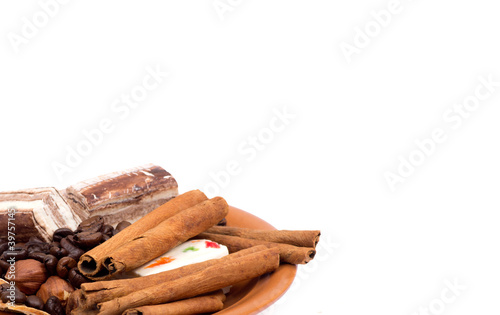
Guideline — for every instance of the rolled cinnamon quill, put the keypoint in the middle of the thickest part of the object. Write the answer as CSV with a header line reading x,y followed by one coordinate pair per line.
x,y
165,236
288,253
101,291
303,238
207,280
197,305
74,304
91,263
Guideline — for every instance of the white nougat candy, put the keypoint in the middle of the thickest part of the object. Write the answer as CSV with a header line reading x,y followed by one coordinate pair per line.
x,y
119,196
34,212
187,253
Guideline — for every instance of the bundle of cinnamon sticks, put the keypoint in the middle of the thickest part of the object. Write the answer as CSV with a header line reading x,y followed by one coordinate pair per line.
x,y
190,289
153,235
184,283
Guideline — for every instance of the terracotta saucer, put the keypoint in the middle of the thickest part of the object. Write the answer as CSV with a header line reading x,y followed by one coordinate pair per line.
x,y
252,297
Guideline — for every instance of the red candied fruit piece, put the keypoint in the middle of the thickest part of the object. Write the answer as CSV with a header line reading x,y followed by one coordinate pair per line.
x,y
210,244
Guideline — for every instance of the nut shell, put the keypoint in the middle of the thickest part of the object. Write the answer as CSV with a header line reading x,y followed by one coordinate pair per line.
x,y
55,286
30,275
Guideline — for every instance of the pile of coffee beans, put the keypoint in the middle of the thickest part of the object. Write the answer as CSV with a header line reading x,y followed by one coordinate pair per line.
x,y
58,257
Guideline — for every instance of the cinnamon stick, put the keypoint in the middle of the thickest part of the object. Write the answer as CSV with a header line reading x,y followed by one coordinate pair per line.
x,y
75,304
303,238
200,304
209,279
101,291
165,236
91,263
288,253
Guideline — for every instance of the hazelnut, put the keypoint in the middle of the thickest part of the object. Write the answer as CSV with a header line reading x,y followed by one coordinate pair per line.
x,y
55,286
30,274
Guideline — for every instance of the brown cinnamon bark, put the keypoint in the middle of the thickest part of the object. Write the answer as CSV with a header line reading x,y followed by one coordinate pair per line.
x,y
200,304
209,279
101,291
288,253
303,238
9,309
165,236
75,305
91,263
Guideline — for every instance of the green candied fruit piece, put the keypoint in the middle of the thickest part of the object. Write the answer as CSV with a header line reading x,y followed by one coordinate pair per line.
x,y
190,248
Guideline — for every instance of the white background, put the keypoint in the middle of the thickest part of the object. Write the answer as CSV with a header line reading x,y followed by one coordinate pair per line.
x,y
382,251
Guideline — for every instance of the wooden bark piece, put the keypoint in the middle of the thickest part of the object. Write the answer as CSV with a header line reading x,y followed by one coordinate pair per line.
x,y
20,309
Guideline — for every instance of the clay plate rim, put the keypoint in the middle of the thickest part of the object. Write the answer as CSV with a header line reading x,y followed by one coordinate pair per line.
x,y
252,297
